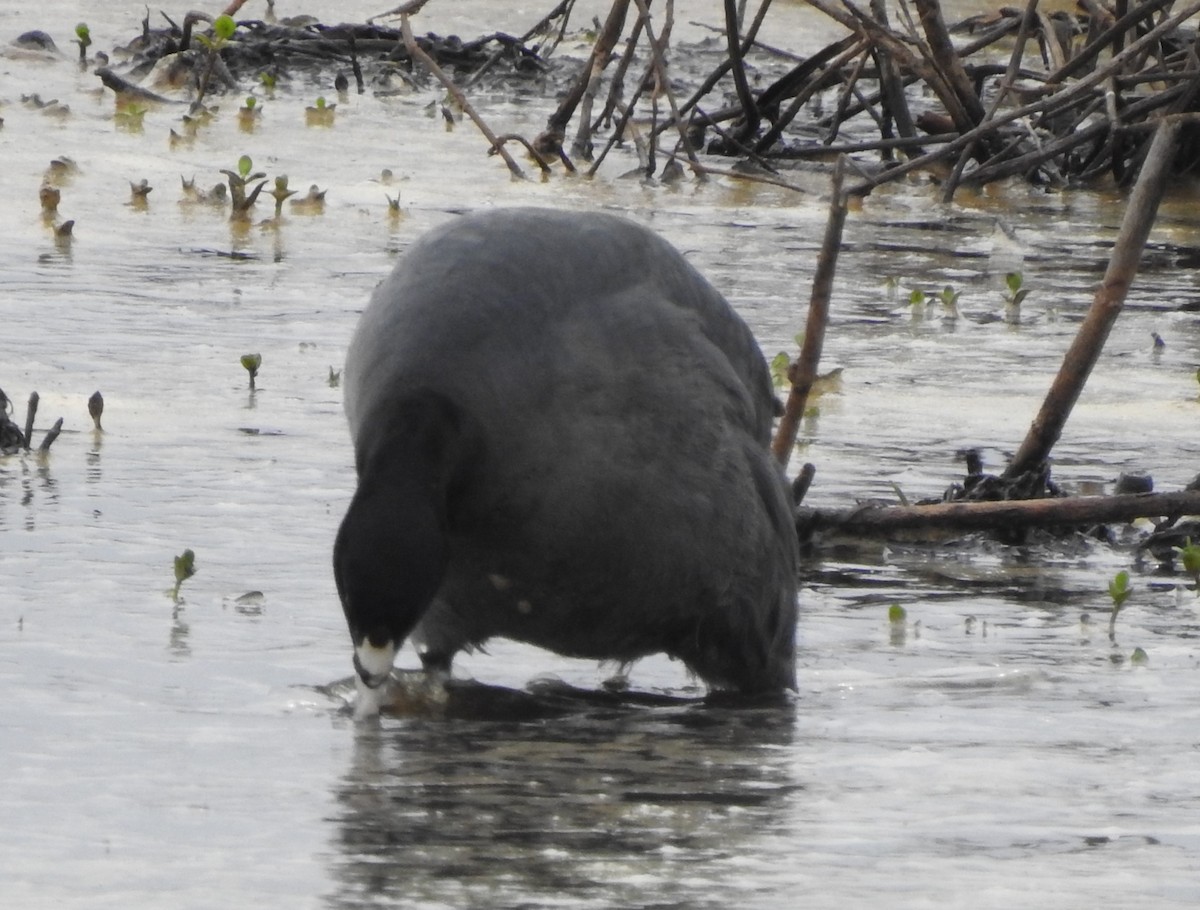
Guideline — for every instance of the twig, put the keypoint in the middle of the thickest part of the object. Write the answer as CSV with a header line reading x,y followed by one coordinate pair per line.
x,y
660,71
415,52
1014,65
556,126
1085,350
803,373
741,83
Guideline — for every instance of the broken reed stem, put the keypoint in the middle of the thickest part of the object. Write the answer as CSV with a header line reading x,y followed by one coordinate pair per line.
x,y
415,52
882,521
803,373
30,413
51,436
1085,350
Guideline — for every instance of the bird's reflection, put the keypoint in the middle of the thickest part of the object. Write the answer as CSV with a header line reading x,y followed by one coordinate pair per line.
x,y
585,808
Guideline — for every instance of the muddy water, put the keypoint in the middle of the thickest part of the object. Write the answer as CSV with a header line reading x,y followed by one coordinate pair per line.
x,y
995,749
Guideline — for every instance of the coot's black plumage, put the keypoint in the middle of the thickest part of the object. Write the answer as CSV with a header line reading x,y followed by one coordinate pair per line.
x,y
561,436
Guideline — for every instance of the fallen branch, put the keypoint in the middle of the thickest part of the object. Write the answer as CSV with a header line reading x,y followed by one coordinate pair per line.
x,y
882,521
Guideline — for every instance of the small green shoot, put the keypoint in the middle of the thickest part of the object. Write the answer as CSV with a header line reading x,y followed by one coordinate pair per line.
x,y
1119,591
1015,292
252,362
281,192
242,201
779,369
1139,658
1189,555
897,613
130,116
267,80
916,298
185,568
224,27
320,114
335,378
949,299
83,37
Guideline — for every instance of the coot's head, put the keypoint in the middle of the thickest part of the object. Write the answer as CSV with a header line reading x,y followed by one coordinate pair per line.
x,y
388,561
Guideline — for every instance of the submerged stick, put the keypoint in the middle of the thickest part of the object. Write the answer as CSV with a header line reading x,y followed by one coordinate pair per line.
x,y
51,436
803,373
880,521
1085,350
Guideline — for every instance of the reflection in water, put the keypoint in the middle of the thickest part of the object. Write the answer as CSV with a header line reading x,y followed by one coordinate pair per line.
x,y
588,809
178,644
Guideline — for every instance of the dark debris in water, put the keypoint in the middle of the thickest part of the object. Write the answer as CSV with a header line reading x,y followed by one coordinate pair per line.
x,y
305,47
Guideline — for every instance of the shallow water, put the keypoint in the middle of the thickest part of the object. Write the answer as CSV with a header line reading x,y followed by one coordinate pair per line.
x,y
994,749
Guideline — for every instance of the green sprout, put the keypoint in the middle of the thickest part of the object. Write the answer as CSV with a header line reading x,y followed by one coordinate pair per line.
x,y
1189,555
917,297
83,37
185,568
779,369
335,378
237,185
897,625
1119,591
1015,293
1139,658
320,114
281,192
223,27
949,298
130,116
252,362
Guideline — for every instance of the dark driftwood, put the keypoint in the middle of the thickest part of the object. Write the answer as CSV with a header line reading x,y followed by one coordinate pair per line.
x,y
1089,341
882,521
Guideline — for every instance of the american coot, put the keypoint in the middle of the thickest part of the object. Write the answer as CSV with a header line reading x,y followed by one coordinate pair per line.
x,y
560,431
